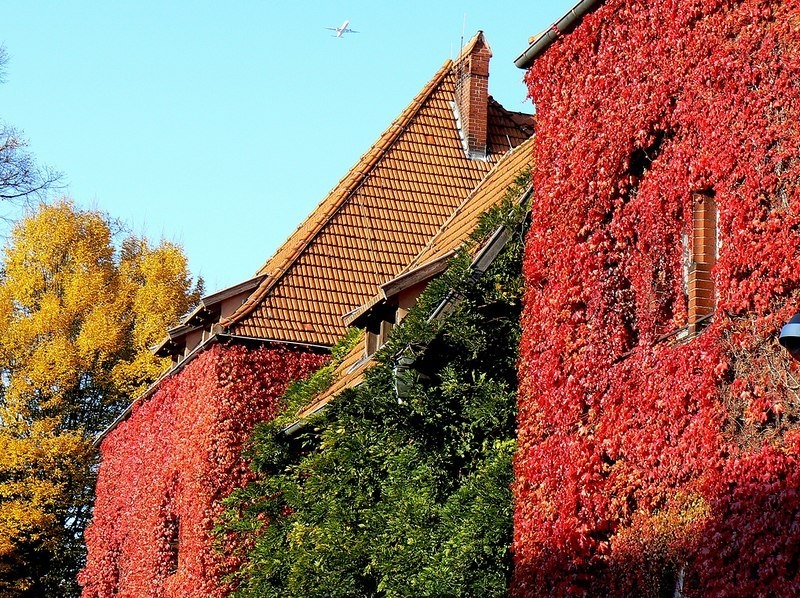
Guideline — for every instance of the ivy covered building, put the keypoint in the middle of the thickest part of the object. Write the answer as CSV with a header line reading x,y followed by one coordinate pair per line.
x,y
168,462
659,417
658,428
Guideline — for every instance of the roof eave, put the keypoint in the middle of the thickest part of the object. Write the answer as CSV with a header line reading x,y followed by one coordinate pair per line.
x,y
220,296
201,315
416,275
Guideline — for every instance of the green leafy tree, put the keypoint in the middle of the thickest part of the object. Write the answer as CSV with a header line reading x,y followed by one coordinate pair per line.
x,y
76,319
403,493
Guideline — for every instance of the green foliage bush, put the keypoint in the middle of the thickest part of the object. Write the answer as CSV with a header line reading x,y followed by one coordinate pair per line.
x,y
387,495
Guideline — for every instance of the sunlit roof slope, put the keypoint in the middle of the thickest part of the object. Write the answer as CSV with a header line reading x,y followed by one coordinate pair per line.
x,y
379,216
451,235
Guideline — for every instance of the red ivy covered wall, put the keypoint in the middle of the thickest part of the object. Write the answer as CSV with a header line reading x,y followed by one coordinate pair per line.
x,y
166,468
650,462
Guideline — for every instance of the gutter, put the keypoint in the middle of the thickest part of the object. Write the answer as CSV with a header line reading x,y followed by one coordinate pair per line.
x,y
298,425
302,421
292,429
524,60
271,341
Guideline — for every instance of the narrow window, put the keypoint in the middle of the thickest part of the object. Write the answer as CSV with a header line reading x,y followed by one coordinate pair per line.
x,y
378,327
703,256
173,525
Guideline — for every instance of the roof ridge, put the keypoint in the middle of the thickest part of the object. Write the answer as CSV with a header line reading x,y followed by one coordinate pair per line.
x,y
346,186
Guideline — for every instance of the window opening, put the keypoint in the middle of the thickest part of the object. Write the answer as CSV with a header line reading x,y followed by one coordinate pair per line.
x,y
172,536
378,328
377,335
703,256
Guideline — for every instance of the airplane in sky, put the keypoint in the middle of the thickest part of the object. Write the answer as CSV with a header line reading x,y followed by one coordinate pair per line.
x,y
340,31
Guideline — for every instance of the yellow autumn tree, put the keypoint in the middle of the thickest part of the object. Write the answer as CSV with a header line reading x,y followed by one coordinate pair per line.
x,y
77,318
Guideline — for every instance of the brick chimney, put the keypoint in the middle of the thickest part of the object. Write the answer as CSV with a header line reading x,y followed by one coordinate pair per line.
x,y
471,104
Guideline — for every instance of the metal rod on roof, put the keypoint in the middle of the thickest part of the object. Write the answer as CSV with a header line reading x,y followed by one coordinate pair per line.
x,y
224,335
481,262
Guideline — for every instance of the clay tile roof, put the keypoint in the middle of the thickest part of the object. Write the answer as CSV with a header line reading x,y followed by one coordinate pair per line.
x,y
348,374
450,236
464,220
379,216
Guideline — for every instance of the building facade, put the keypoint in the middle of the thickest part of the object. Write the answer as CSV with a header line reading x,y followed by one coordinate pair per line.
x,y
658,424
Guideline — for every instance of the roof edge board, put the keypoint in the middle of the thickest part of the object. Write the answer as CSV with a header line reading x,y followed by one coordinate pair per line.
x,y
179,331
199,308
416,275
187,325
232,291
397,285
353,316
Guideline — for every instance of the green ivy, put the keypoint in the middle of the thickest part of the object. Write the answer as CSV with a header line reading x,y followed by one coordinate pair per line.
x,y
387,495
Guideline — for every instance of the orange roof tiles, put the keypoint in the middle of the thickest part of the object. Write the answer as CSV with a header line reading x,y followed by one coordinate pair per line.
x,y
464,220
373,223
450,236
347,374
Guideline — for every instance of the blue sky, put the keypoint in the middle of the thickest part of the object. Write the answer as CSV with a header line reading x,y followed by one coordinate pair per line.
x,y
221,125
